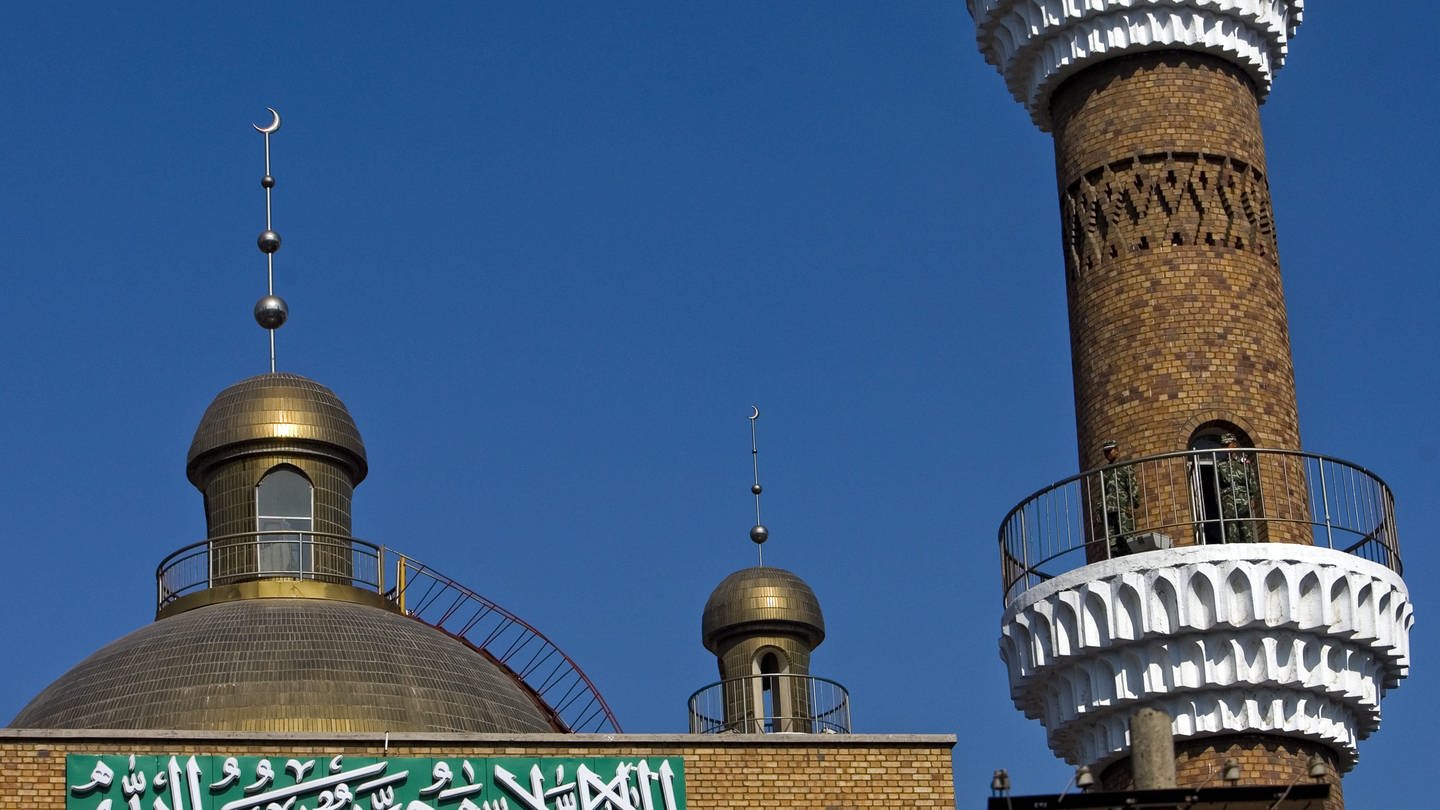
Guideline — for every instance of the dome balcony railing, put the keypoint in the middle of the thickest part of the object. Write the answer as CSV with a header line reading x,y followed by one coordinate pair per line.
x,y
1197,497
770,704
411,588
281,554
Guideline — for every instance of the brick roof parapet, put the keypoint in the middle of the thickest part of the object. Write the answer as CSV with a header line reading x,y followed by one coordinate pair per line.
x,y
1037,44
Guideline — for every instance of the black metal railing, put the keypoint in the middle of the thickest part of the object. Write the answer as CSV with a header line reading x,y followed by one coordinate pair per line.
x,y
282,554
1198,497
415,590
767,704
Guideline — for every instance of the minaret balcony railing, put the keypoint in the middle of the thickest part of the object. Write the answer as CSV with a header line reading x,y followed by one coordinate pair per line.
x,y
770,704
396,581
1198,497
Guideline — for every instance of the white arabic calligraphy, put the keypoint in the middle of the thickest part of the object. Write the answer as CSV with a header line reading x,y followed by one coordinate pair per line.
x,y
132,786
264,775
231,769
177,783
184,782
591,792
99,778
273,797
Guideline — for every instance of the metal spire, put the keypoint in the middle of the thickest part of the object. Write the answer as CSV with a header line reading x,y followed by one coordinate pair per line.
x,y
758,533
271,310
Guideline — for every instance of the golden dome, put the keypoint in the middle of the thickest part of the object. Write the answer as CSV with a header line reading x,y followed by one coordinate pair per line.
x,y
289,665
762,599
284,410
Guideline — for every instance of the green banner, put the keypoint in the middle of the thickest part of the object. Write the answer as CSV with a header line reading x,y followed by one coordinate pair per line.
x,y
218,782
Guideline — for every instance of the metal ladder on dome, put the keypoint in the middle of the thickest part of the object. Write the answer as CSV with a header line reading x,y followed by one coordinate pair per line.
x,y
429,596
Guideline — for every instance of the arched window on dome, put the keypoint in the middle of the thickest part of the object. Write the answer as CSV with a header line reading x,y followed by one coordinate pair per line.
x,y
772,690
285,510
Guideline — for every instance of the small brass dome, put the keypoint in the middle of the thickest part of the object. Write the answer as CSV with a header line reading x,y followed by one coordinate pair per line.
x,y
289,665
285,410
762,599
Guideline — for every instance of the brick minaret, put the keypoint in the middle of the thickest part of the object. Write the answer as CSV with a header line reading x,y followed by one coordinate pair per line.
x,y
1211,569
1176,312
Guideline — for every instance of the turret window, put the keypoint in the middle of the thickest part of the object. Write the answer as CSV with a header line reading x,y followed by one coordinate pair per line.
x,y
773,699
285,509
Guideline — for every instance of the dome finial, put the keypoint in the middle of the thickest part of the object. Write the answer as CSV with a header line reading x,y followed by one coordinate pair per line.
x,y
758,533
271,310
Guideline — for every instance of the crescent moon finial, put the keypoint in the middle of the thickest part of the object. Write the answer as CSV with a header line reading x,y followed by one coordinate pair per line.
x,y
758,533
274,125
271,311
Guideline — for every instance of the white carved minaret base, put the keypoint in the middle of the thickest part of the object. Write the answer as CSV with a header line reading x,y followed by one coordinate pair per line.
x,y
1284,639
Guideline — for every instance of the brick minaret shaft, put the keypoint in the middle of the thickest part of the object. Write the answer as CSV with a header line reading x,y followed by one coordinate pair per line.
x,y
1177,318
1263,759
1178,335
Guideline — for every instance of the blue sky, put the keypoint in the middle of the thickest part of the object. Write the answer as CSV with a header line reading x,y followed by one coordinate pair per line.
x,y
549,255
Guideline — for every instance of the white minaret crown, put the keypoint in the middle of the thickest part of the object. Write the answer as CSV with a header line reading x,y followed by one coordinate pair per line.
x,y
1037,44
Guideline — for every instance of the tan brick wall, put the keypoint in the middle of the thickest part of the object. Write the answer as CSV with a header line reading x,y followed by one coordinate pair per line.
x,y
1177,314
1264,760
1162,101
831,772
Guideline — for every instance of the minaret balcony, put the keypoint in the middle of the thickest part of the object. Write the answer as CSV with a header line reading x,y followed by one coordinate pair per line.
x,y
770,704
1196,498
1240,591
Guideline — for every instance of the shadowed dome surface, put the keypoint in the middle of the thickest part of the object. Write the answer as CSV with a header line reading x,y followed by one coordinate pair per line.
x,y
759,598
288,665
276,406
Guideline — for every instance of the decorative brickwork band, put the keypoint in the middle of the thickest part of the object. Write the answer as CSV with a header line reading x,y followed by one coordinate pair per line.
x,y
1176,303
1140,203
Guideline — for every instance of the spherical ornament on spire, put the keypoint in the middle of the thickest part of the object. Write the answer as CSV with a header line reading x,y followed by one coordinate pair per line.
x,y
759,534
755,489
268,181
271,312
269,241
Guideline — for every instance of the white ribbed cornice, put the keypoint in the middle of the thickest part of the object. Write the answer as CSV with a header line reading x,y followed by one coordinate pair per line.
x,y
1267,637
1036,44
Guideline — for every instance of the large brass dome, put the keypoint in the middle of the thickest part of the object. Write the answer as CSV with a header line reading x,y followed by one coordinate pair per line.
x,y
289,665
275,408
761,599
